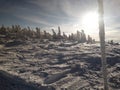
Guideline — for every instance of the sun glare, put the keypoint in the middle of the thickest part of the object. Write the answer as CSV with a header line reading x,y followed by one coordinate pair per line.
x,y
90,22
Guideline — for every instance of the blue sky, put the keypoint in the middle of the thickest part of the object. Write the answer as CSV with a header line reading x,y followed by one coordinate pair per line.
x,y
68,14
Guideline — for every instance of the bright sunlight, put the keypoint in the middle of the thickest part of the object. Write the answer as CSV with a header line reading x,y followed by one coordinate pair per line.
x,y
90,22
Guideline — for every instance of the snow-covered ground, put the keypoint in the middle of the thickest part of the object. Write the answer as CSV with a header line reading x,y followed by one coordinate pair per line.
x,y
61,64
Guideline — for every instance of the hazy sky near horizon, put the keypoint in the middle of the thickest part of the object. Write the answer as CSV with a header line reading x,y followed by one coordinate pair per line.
x,y
68,14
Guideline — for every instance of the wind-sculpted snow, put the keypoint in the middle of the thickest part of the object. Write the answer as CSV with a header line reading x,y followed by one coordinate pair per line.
x,y
70,65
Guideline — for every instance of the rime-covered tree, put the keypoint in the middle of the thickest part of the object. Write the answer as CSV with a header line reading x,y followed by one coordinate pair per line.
x,y
38,35
54,34
93,41
83,36
59,31
45,34
72,36
64,36
78,36
3,30
89,40
59,36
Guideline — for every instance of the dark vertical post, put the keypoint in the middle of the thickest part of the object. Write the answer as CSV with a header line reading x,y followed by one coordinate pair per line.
x,y
102,42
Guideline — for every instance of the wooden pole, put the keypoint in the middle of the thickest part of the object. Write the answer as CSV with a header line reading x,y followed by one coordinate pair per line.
x,y
102,42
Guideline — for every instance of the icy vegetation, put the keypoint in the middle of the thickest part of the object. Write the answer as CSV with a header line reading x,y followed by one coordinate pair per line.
x,y
47,64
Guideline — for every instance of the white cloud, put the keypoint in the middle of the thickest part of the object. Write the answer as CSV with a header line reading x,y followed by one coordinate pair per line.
x,y
35,19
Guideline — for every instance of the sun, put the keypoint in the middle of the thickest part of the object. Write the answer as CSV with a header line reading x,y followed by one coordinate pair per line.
x,y
90,22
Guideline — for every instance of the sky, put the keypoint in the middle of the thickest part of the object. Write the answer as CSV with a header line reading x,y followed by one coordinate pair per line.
x,y
68,14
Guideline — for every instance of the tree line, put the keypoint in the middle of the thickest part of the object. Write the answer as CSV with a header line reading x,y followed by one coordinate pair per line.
x,y
16,32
